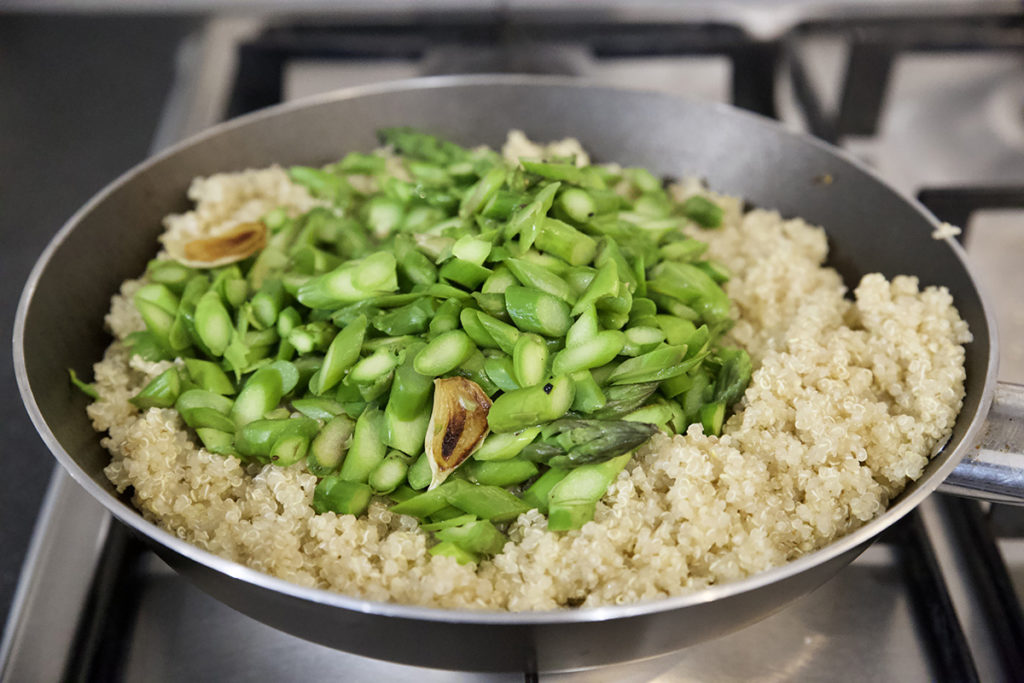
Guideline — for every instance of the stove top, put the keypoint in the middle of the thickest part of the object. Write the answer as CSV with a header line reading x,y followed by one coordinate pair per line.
x,y
939,114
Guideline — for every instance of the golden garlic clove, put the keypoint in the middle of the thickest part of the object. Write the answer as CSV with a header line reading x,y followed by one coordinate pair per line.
x,y
241,241
458,425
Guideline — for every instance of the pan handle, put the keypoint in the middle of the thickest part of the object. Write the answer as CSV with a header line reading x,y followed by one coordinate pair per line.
x,y
994,469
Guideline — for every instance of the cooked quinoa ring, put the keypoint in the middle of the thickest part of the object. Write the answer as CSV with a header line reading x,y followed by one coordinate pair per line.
x,y
848,400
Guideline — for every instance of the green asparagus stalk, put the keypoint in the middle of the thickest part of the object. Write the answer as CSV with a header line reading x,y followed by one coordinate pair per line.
x,y
161,392
338,495
572,500
531,406
533,310
341,355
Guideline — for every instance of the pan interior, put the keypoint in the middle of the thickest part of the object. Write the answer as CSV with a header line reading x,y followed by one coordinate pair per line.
x,y
870,227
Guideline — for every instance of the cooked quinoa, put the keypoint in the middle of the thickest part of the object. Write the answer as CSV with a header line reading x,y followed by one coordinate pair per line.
x,y
848,400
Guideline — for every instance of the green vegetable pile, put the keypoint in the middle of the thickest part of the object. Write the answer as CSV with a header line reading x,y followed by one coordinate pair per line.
x,y
569,295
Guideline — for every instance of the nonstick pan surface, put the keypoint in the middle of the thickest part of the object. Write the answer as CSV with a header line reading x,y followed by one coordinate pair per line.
x,y
870,227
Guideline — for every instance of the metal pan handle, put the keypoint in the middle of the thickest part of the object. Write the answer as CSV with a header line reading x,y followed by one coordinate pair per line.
x,y
994,469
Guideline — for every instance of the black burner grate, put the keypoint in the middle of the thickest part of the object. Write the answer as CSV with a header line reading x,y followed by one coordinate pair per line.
x,y
956,205
258,81
933,606
873,49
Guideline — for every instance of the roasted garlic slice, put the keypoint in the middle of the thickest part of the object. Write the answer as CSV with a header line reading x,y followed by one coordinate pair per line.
x,y
458,425
241,241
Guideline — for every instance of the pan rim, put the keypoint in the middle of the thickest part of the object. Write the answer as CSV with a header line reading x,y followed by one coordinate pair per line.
x,y
134,519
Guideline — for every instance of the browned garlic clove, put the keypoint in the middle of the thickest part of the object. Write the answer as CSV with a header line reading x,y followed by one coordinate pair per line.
x,y
458,425
241,241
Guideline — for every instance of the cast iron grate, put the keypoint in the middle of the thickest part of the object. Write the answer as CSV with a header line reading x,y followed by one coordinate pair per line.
x,y
262,60
956,205
873,49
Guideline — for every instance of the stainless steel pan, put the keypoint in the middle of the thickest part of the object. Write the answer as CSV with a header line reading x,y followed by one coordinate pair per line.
x,y
870,228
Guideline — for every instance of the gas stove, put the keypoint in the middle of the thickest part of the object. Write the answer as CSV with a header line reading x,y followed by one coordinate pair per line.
x,y
934,101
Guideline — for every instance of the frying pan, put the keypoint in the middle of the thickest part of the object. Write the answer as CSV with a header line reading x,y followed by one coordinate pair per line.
x,y
870,228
